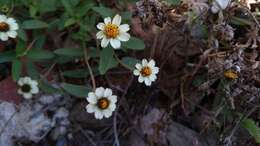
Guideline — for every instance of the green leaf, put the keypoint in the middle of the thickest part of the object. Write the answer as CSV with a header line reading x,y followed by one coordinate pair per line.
x,y
22,35
107,60
104,11
76,90
34,24
38,54
131,62
70,22
80,73
134,44
240,21
7,56
20,48
252,128
70,52
67,4
32,71
16,69
48,88
174,2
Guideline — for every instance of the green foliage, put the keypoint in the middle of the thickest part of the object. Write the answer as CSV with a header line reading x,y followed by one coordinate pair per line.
x,y
107,60
252,128
76,90
16,69
134,44
130,62
34,24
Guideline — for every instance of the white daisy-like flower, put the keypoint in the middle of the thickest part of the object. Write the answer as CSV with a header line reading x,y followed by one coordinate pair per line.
x,y
102,102
111,31
27,87
146,71
218,5
8,28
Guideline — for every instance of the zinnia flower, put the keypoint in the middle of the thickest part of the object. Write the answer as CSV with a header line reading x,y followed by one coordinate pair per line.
x,y
146,71
27,87
8,28
102,102
111,31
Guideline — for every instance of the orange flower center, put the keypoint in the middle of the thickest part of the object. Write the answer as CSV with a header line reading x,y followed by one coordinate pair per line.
x,y
229,74
4,27
103,103
111,30
146,71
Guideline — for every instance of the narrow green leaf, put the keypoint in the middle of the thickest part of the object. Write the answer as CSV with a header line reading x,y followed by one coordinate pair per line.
x,y
131,62
134,44
104,11
7,56
240,21
107,60
80,73
48,88
76,90
38,54
32,71
67,4
70,22
16,69
22,35
20,48
34,24
71,52
252,128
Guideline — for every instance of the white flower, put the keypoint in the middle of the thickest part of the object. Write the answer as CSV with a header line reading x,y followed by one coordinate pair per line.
x,y
113,32
218,5
27,87
101,102
146,71
8,28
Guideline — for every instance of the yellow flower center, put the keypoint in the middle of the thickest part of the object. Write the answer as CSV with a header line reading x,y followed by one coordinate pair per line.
x,y
146,71
103,103
229,74
111,30
4,27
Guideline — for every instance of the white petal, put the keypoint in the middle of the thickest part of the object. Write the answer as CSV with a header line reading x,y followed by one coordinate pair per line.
x,y
101,26
3,36
100,92
98,114
104,42
108,92
147,82
12,23
139,66
92,98
115,43
123,37
117,20
34,83
124,28
20,81
223,3
12,34
136,72
91,108
144,62
27,95
112,106
27,80
152,77
107,113
112,99
100,35
2,18
107,20
215,9
155,70
20,91
35,90
140,79
151,63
